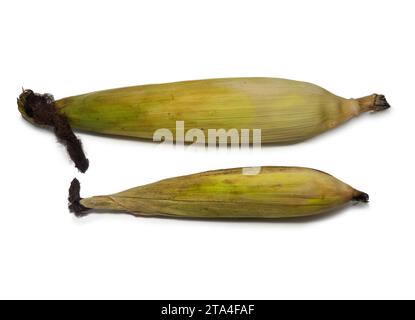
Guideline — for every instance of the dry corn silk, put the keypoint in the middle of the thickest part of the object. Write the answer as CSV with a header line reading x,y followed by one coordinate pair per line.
x,y
285,111
261,193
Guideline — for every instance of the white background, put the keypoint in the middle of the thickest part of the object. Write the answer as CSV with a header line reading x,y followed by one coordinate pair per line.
x,y
352,48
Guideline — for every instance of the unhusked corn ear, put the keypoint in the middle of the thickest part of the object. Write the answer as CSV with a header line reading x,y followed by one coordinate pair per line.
x,y
271,192
285,111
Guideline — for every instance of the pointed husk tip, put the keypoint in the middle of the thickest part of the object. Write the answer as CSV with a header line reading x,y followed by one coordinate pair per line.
x,y
381,103
374,102
360,196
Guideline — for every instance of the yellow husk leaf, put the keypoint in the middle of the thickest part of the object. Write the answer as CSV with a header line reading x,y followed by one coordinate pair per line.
x,y
276,192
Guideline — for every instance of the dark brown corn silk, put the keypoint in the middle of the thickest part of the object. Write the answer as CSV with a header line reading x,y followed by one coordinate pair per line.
x,y
74,199
41,109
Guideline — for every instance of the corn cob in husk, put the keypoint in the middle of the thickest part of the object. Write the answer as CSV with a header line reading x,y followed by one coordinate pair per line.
x,y
285,111
274,192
